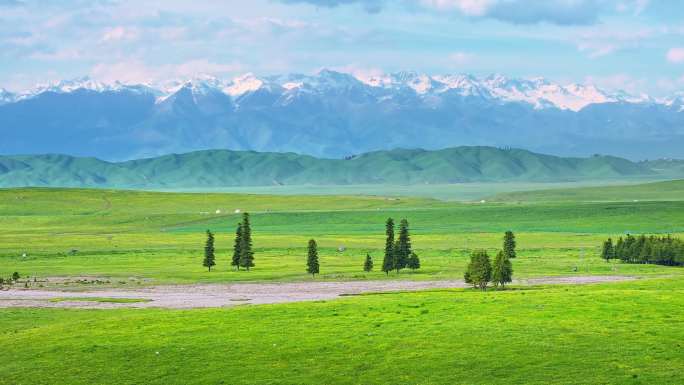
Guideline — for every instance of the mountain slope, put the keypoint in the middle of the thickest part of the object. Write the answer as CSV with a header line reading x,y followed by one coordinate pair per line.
x,y
334,114
223,168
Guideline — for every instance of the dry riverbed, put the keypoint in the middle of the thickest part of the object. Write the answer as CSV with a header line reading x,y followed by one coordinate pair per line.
x,y
220,295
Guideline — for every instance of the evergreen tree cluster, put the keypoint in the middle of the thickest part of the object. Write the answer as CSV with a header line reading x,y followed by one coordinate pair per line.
x,y
398,253
243,256
652,249
480,271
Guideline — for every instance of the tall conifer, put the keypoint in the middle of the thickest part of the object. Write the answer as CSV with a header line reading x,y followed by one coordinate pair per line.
x,y
404,246
368,264
312,266
236,247
509,245
502,270
246,254
209,257
388,260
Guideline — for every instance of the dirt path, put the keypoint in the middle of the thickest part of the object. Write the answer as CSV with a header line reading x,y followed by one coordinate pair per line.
x,y
220,295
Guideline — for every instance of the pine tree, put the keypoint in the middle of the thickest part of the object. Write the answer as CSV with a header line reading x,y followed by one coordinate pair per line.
x,y
396,256
608,252
388,260
209,257
479,271
509,245
246,254
312,266
404,246
619,248
413,261
502,270
368,264
235,262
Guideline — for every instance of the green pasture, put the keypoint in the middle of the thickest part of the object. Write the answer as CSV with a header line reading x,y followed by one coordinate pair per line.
x,y
619,333
655,191
152,237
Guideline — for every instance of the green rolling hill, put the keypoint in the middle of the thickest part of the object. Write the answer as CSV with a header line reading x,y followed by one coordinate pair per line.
x,y
225,168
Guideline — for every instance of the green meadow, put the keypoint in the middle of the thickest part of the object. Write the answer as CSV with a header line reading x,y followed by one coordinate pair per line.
x,y
614,333
620,333
158,237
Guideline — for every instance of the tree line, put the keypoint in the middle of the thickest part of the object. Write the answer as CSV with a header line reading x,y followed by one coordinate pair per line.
x,y
480,271
398,254
659,250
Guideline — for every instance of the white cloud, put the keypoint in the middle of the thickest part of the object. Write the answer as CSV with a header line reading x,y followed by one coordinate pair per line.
x,y
675,55
618,82
467,7
129,71
596,48
461,58
136,71
60,55
120,33
601,41
204,66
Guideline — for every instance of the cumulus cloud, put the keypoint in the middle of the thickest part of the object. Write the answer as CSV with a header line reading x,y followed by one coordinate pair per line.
x,y
372,6
460,58
119,33
558,12
467,7
601,41
137,71
675,55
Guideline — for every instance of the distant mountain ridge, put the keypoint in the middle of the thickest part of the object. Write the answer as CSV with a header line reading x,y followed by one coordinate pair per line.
x,y
334,114
225,168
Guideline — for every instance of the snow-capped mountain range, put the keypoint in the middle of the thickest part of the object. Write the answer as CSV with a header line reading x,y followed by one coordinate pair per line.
x,y
334,114
537,92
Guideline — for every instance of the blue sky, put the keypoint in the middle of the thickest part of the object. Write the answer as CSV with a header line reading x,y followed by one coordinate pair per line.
x,y
636,45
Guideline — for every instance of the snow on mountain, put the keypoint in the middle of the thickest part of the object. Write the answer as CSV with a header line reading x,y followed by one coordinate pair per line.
x,y
538,92
6,96
82,83
243,84
676,101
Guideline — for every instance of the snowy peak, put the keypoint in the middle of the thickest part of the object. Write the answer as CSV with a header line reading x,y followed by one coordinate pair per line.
x,y
243,84
537,92
83,83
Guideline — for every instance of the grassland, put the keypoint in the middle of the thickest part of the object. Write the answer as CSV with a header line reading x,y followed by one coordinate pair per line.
x,y
158,237
463,192
617,333
625,333
655,191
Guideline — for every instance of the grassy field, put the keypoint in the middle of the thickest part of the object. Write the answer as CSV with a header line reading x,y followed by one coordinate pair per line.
x,y
158,237
465,192
618,333
656,191
621,333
